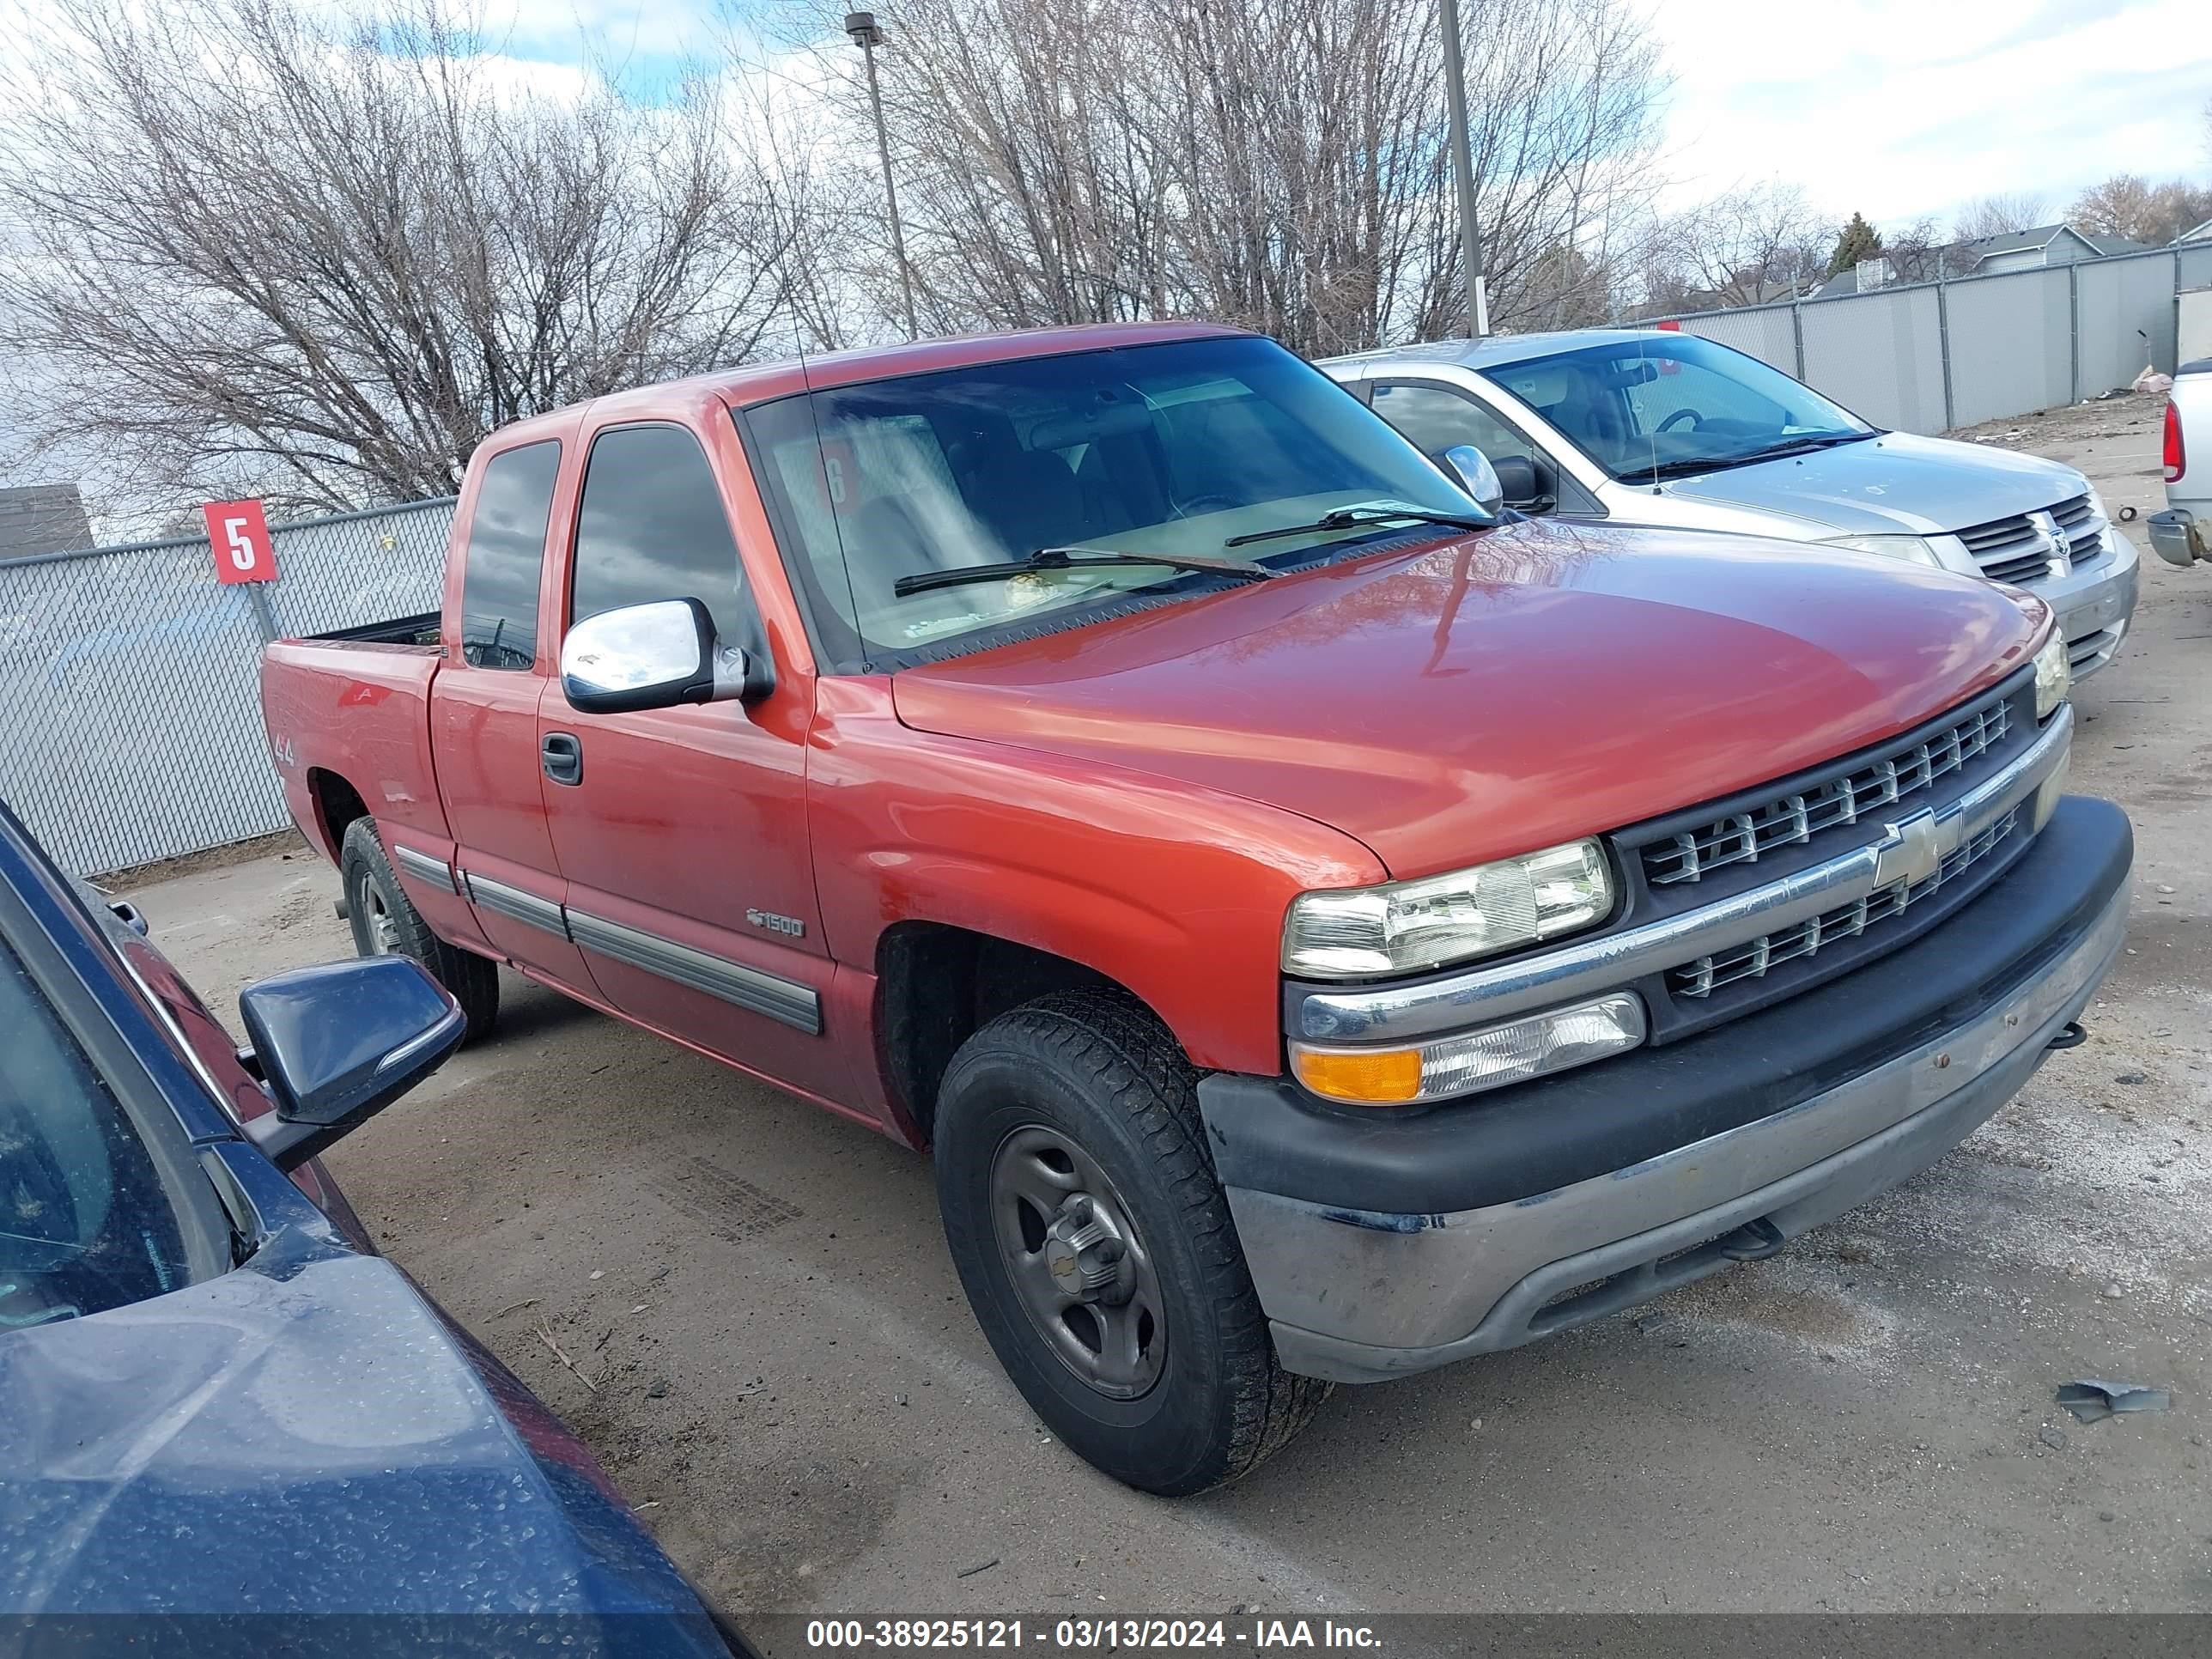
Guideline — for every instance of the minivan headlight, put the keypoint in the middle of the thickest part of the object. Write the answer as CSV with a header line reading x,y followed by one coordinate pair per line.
x,y
2054,675
1914,550
1401,926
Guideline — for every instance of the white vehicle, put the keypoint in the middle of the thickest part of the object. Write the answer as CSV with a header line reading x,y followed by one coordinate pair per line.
x,y
1657,427
2183,533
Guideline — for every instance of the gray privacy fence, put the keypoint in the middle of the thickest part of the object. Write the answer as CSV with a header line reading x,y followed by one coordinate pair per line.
x,y
1971,349
130,691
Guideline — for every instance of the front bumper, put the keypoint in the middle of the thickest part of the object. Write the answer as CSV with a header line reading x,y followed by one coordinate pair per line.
x,y
2095,604
1380,1248
2178,536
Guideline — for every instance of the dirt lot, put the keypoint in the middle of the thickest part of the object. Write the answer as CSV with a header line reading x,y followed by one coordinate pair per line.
x,y
791,1389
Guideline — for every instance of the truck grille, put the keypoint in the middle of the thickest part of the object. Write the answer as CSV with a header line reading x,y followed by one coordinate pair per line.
x,y
2013,549
1755,958
1789,820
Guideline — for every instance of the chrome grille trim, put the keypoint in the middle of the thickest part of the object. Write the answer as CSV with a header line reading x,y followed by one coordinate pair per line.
x,y
2014,549
1755,958
1608,961
1791,820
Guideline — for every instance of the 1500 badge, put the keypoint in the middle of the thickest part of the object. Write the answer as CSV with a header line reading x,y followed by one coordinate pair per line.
x,y
789,927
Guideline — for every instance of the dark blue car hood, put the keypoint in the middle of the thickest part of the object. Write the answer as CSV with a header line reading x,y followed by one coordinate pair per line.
x,y
303,1435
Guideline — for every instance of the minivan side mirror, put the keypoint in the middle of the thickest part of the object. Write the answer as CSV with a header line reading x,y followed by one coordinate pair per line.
x,y
336,1044
1527,484
1475,475
656,656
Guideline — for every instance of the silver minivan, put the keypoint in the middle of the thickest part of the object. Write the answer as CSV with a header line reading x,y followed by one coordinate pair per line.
x,y
1657,427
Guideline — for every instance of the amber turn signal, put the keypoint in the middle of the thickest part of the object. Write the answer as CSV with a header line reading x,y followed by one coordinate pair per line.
x,y
1378,1077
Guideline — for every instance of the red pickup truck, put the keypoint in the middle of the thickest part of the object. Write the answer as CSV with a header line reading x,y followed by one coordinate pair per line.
x,y
1321,926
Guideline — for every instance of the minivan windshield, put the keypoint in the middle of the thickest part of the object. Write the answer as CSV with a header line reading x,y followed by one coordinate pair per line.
x,y
1174,449
1668,405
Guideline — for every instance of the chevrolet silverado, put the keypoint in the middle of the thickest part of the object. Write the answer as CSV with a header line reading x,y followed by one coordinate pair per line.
x,y
1320,926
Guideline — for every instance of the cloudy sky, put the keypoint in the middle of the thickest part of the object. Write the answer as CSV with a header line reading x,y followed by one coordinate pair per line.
x,y
1895,108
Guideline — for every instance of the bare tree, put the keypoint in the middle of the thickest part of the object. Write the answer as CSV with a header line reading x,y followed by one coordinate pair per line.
x,y
1743,246
327,272
2000,215
2127,204
1282,164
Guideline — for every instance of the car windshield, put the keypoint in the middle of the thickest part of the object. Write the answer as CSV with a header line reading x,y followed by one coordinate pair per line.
x,y
1667,404
86,1222
1172,449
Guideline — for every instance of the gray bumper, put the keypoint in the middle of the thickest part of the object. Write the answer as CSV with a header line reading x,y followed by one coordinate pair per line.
x,y
1361,1297
2178,537
2094,605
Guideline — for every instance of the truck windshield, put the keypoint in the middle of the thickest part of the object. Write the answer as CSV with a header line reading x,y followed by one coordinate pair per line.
x,y
1666,405
1174,449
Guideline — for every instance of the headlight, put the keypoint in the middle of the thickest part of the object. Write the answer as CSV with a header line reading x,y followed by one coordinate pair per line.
x,y
2054,675
1914,550
1401,926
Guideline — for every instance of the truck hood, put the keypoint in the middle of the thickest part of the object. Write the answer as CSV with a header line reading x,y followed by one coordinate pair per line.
x,y
1895,484
1503,692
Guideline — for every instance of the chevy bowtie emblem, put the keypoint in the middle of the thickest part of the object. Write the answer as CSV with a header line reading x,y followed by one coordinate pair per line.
x,y
1913,849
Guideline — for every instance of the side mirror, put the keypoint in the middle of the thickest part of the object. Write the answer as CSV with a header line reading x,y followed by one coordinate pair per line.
x,y
1475,475
656,656
1529,484
336,1044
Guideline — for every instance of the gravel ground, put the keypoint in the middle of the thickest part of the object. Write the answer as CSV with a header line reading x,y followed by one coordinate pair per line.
x,y
791,1390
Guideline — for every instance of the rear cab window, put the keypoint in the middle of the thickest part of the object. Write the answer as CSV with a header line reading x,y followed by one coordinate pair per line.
x,y
506,555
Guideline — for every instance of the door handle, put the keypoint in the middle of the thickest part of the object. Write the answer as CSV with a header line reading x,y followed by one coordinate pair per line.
x,y
562,756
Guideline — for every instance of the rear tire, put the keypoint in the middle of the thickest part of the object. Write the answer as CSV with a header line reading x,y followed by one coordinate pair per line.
x,y
385,923
1145,1348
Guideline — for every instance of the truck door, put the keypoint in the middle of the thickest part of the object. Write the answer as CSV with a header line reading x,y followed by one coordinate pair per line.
x,y
483,718
683,831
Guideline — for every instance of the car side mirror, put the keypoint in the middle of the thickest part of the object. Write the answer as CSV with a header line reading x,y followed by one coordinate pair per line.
x,y
656,656
1527,484
336,1044
1472,470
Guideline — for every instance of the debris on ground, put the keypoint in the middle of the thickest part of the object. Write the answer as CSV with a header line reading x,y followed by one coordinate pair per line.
x,y
969,1573
2092,1401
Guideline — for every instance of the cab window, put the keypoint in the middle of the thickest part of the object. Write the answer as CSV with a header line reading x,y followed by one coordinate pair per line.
x,y
651,527
505,554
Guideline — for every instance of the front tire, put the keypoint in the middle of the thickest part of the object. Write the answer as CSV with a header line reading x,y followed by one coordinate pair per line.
x,y
385,923
1095,1246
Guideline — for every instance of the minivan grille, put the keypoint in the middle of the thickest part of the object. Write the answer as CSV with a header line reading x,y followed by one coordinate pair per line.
x,y
1755,958
2013,550
1787,820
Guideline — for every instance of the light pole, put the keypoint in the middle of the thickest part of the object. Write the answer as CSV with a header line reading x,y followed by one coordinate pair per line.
x,y
861,26
1477,297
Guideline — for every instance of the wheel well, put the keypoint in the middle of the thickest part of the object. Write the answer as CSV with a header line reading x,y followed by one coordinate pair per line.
x,y
338,803
936,985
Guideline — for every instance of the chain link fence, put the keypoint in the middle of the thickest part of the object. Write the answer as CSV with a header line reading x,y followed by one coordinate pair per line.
x,y
1932,355
130,679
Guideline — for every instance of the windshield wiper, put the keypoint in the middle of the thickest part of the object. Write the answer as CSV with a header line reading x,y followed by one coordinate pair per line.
x,y
1351,518
1072,558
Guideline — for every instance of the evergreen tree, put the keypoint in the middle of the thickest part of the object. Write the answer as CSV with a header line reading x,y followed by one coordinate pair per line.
x,y
1858,241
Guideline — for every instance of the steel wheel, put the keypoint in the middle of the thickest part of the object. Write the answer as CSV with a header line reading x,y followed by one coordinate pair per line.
x,y
1079,1267
383,925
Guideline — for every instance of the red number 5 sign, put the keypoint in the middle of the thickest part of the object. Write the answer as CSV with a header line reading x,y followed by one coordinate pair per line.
x,y
239,534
